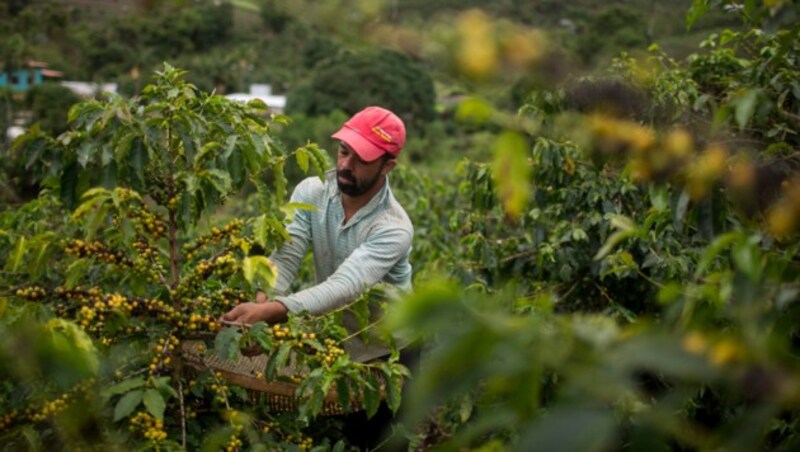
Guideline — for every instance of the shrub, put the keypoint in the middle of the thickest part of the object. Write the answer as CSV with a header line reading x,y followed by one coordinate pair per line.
x,y
351,81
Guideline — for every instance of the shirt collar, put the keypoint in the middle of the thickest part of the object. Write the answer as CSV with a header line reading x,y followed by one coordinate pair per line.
x,y
374,202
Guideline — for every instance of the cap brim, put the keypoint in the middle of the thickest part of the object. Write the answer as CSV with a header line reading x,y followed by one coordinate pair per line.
x,y
365,149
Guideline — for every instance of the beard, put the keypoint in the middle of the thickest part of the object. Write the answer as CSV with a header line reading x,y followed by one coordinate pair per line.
x,y
354,187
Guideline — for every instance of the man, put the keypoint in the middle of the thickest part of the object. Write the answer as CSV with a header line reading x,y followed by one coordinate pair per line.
x,y
360,234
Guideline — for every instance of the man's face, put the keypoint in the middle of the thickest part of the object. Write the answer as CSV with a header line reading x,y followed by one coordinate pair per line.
x,y
355,176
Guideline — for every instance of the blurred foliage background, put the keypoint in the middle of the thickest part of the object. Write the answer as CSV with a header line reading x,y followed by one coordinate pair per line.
x,y
605,199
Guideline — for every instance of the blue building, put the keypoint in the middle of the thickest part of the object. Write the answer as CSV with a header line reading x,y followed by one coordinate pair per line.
x,y
20,79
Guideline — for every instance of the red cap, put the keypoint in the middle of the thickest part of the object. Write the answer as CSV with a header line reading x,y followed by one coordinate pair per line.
x,y
372,132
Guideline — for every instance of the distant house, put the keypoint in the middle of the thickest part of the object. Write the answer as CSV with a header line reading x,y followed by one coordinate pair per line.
x,y
89,89
32,73
275,103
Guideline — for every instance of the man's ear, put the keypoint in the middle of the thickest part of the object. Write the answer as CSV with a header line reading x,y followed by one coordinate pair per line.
x,y
389,166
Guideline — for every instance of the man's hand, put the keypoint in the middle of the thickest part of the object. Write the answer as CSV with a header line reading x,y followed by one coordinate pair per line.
x,y
270,312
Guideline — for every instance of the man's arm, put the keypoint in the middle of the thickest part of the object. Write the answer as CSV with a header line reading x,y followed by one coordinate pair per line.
x,y
261,310
287,259
365,266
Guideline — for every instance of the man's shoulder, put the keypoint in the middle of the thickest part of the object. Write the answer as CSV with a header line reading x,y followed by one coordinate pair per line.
x,y
311,190
394,216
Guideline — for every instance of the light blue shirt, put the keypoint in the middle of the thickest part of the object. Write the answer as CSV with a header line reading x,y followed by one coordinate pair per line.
x,y
372,247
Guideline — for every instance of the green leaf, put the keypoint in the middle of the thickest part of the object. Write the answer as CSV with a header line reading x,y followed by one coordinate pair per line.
x,y
745,107
319,159
260,230
360,311
669,292
343,392
76,272
127,404
727,36
259,146
124,114
230,146
720,243
122,387
302,159
277,360
280,182
137,161
569,428
748,258
77,344
293,206
96,218
68,184
16,256
263,193
394,386
312,404
474,110
192,184
236,169
623,223
625,228
221,180
372,394
611,242
85,153
259,271
43,255
154,403
91,198
226,344
258,104
510,171
697,10
75,111
206,150
278,227
163,386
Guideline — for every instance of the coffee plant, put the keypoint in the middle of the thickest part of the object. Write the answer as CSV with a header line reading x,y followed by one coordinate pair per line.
x,y
622,273
634,285
118,267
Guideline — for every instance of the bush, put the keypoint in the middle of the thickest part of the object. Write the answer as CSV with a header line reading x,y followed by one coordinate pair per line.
x,y
351,81
100,301
50,103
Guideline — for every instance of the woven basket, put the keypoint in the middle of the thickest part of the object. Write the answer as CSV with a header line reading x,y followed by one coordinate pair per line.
x,y
278,395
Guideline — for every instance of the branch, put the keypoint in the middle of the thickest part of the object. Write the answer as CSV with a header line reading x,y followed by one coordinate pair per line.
x,y
183,414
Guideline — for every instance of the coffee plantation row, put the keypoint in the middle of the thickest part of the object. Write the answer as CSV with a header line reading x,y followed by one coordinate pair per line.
x,y
621,275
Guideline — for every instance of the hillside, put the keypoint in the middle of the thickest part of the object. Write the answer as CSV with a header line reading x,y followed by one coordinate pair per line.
x,y
107,38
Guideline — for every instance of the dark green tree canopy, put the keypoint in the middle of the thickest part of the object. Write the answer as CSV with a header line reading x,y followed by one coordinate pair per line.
x,y
352,81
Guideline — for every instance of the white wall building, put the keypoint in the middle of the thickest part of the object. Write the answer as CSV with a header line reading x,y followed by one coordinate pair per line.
x,y
275,103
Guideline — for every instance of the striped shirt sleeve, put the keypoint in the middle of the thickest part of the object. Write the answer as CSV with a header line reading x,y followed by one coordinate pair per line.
x,y
365,266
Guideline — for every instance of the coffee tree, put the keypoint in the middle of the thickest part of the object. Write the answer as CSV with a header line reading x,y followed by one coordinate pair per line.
x,y
642,294
138,269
